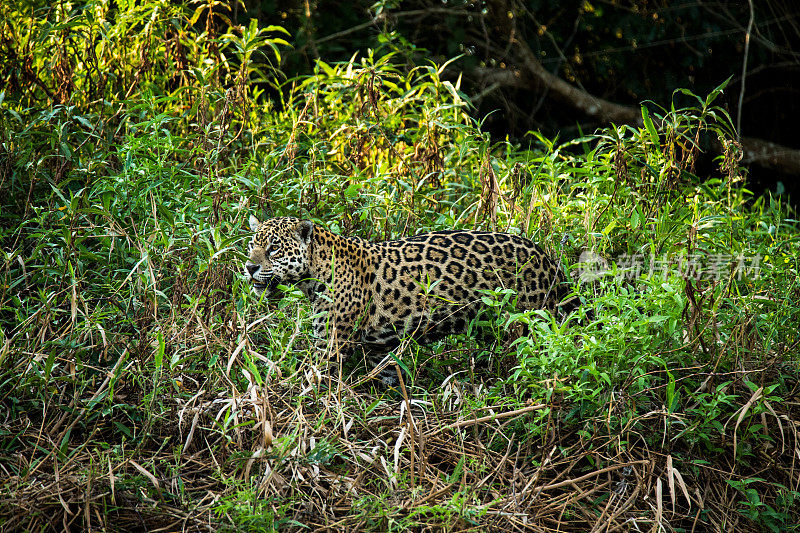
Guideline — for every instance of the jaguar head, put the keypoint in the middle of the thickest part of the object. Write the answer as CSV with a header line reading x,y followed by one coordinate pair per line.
x,y
279,252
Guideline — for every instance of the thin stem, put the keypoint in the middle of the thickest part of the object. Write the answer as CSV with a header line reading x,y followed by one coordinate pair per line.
x,y
744,69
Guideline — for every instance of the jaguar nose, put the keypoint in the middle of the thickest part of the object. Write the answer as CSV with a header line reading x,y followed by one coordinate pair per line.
x,y
252,269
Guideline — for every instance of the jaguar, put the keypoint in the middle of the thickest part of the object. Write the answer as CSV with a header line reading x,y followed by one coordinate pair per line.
x,y
369,296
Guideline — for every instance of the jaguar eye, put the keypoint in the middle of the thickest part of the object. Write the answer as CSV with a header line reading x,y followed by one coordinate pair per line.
x,y
273,252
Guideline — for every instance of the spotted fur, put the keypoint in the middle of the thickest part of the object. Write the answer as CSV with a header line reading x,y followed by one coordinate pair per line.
x,y
371,295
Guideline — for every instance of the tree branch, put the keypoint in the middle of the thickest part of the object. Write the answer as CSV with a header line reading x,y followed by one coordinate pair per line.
x,y
770,155
580,100
758,152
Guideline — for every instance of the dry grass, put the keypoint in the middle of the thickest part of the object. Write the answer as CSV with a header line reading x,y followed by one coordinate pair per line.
x,y
335,458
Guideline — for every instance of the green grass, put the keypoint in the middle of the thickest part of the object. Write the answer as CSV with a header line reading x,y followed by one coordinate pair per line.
x,y
142,383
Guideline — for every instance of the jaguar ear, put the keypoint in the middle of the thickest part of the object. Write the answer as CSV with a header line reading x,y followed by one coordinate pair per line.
x,y
253,223
305,228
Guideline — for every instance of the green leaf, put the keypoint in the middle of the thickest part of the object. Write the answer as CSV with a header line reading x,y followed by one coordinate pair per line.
x,y
281,29
326,68
159,358
648,123
352,190
670,392
196,15
609,227
66,150
48,366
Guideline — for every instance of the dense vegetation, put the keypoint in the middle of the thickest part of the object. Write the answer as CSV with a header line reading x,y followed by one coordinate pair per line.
x,y
572,66
144,386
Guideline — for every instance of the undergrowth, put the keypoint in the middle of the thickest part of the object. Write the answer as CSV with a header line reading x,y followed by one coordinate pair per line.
x,y
143,385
